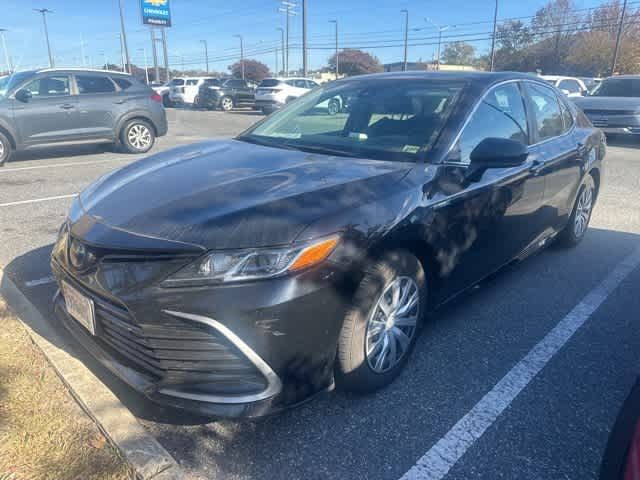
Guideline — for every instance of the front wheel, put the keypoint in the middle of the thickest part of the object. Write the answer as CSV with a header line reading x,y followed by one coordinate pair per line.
x,y
580,217
226,104
137,136
381,327
5,149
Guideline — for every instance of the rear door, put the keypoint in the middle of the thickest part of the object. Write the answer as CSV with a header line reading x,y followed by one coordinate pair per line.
x,y
558,147
99,104
51,113
191,86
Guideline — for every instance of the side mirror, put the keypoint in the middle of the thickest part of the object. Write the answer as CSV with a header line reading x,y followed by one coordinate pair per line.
x,y
498,153
24,96
565,91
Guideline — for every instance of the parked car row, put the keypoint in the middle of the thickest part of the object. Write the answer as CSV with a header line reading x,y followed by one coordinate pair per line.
x,y
226,94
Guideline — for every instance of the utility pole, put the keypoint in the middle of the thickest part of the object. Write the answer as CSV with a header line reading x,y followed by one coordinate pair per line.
x,y
618,38
440,30
44,12
206,53
288,8
304,38
122,59
104,59
146,64
7,58
406,37
337,62
124,40
154,53
241,54
493,37
283,49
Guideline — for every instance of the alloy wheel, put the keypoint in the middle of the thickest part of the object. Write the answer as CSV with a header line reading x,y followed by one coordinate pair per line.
x,y
227,104
139,137
583,211
392,324
2,150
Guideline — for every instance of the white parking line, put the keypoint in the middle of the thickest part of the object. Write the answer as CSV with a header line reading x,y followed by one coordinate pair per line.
x,y
69,164
437,462
37,200
39,281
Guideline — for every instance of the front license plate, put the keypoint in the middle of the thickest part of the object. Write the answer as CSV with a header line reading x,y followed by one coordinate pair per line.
x,y
80,307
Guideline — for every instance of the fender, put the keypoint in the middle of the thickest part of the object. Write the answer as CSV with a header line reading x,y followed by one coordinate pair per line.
x,y
138,113
5,125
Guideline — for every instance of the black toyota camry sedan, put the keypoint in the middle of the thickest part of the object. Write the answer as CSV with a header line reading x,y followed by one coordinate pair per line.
x,y
240,277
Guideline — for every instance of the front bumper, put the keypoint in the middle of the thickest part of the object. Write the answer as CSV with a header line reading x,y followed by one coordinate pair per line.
x,y
245,350
616,124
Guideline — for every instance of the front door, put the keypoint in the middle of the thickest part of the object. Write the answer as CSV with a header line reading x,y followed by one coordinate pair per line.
x,y
51,113
483,221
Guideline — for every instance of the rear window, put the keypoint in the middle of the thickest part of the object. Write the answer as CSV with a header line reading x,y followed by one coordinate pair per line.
x,y
94,84
123,83
177,82
270,82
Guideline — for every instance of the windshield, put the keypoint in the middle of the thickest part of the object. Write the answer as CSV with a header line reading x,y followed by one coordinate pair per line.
x,y
8,82
383,119
618,87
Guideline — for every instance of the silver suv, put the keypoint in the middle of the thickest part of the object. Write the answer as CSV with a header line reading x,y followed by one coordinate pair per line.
x,y
52,106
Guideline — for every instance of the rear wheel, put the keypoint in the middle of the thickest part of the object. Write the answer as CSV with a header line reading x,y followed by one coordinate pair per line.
x,y
226,103
381,327
137,136
578,224
5,149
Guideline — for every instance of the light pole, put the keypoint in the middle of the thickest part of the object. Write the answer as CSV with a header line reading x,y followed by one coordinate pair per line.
x,y
337,62
440,30
288,8
146,64
206,53
6,50
124,40
304,38
241,54
493,37
618,36
406,37
283,59
44,12
122,59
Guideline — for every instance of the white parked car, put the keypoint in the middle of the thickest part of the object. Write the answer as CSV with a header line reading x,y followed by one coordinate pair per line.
x,y
273,93
185,90
163,90
570,86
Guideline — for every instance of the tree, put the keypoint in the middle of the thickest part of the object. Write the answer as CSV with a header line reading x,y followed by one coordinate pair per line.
x,y
513,40
556,21
459,53
355,62
254,70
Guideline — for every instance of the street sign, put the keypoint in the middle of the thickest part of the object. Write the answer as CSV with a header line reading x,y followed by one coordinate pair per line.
x,y
156,12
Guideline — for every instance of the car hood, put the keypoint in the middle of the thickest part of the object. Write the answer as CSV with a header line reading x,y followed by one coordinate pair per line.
x,y
608,103
233,194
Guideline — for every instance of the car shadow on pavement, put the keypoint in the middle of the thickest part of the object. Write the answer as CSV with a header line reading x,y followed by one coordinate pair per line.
x,y
456,361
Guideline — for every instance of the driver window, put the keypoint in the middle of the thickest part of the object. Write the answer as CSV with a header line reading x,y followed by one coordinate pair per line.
x,y
501,114
48,87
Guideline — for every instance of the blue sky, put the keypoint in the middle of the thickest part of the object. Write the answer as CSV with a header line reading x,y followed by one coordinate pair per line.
x,y
361,23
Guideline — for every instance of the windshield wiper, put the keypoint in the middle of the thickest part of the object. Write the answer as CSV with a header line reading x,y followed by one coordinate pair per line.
x,y
320,150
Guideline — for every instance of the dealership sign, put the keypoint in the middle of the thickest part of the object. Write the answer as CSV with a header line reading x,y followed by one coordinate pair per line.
x,y
156,12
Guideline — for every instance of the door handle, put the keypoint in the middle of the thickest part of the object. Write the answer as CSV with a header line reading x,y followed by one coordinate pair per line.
x,y
536,166
119,102
66,106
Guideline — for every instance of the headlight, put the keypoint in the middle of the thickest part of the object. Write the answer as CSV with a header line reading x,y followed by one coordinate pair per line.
x,y
233,266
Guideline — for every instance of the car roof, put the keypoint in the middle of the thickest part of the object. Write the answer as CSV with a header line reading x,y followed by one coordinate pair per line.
x,y
630,77
81,70
477,77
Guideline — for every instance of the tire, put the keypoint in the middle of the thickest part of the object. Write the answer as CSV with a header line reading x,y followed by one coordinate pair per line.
x,y
572,234
226,103
364,328
196,102
333,108
137,136
6,149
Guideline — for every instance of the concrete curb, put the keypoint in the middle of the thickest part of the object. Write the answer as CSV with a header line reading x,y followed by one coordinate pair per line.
x,y
149,459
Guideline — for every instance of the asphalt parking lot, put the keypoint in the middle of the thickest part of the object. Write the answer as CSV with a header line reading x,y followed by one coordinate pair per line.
x,y
472,403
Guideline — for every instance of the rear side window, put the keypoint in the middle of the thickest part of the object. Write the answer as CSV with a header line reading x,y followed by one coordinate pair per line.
x,y
501,114
567,116
547,112
94,84
269,82
235,83
123,83
49,87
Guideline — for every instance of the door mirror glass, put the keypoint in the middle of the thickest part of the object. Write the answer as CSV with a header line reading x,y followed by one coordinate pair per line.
x,y
498,153
24,96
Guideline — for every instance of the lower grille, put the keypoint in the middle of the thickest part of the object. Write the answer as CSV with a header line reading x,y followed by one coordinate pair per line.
x,y
173,352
